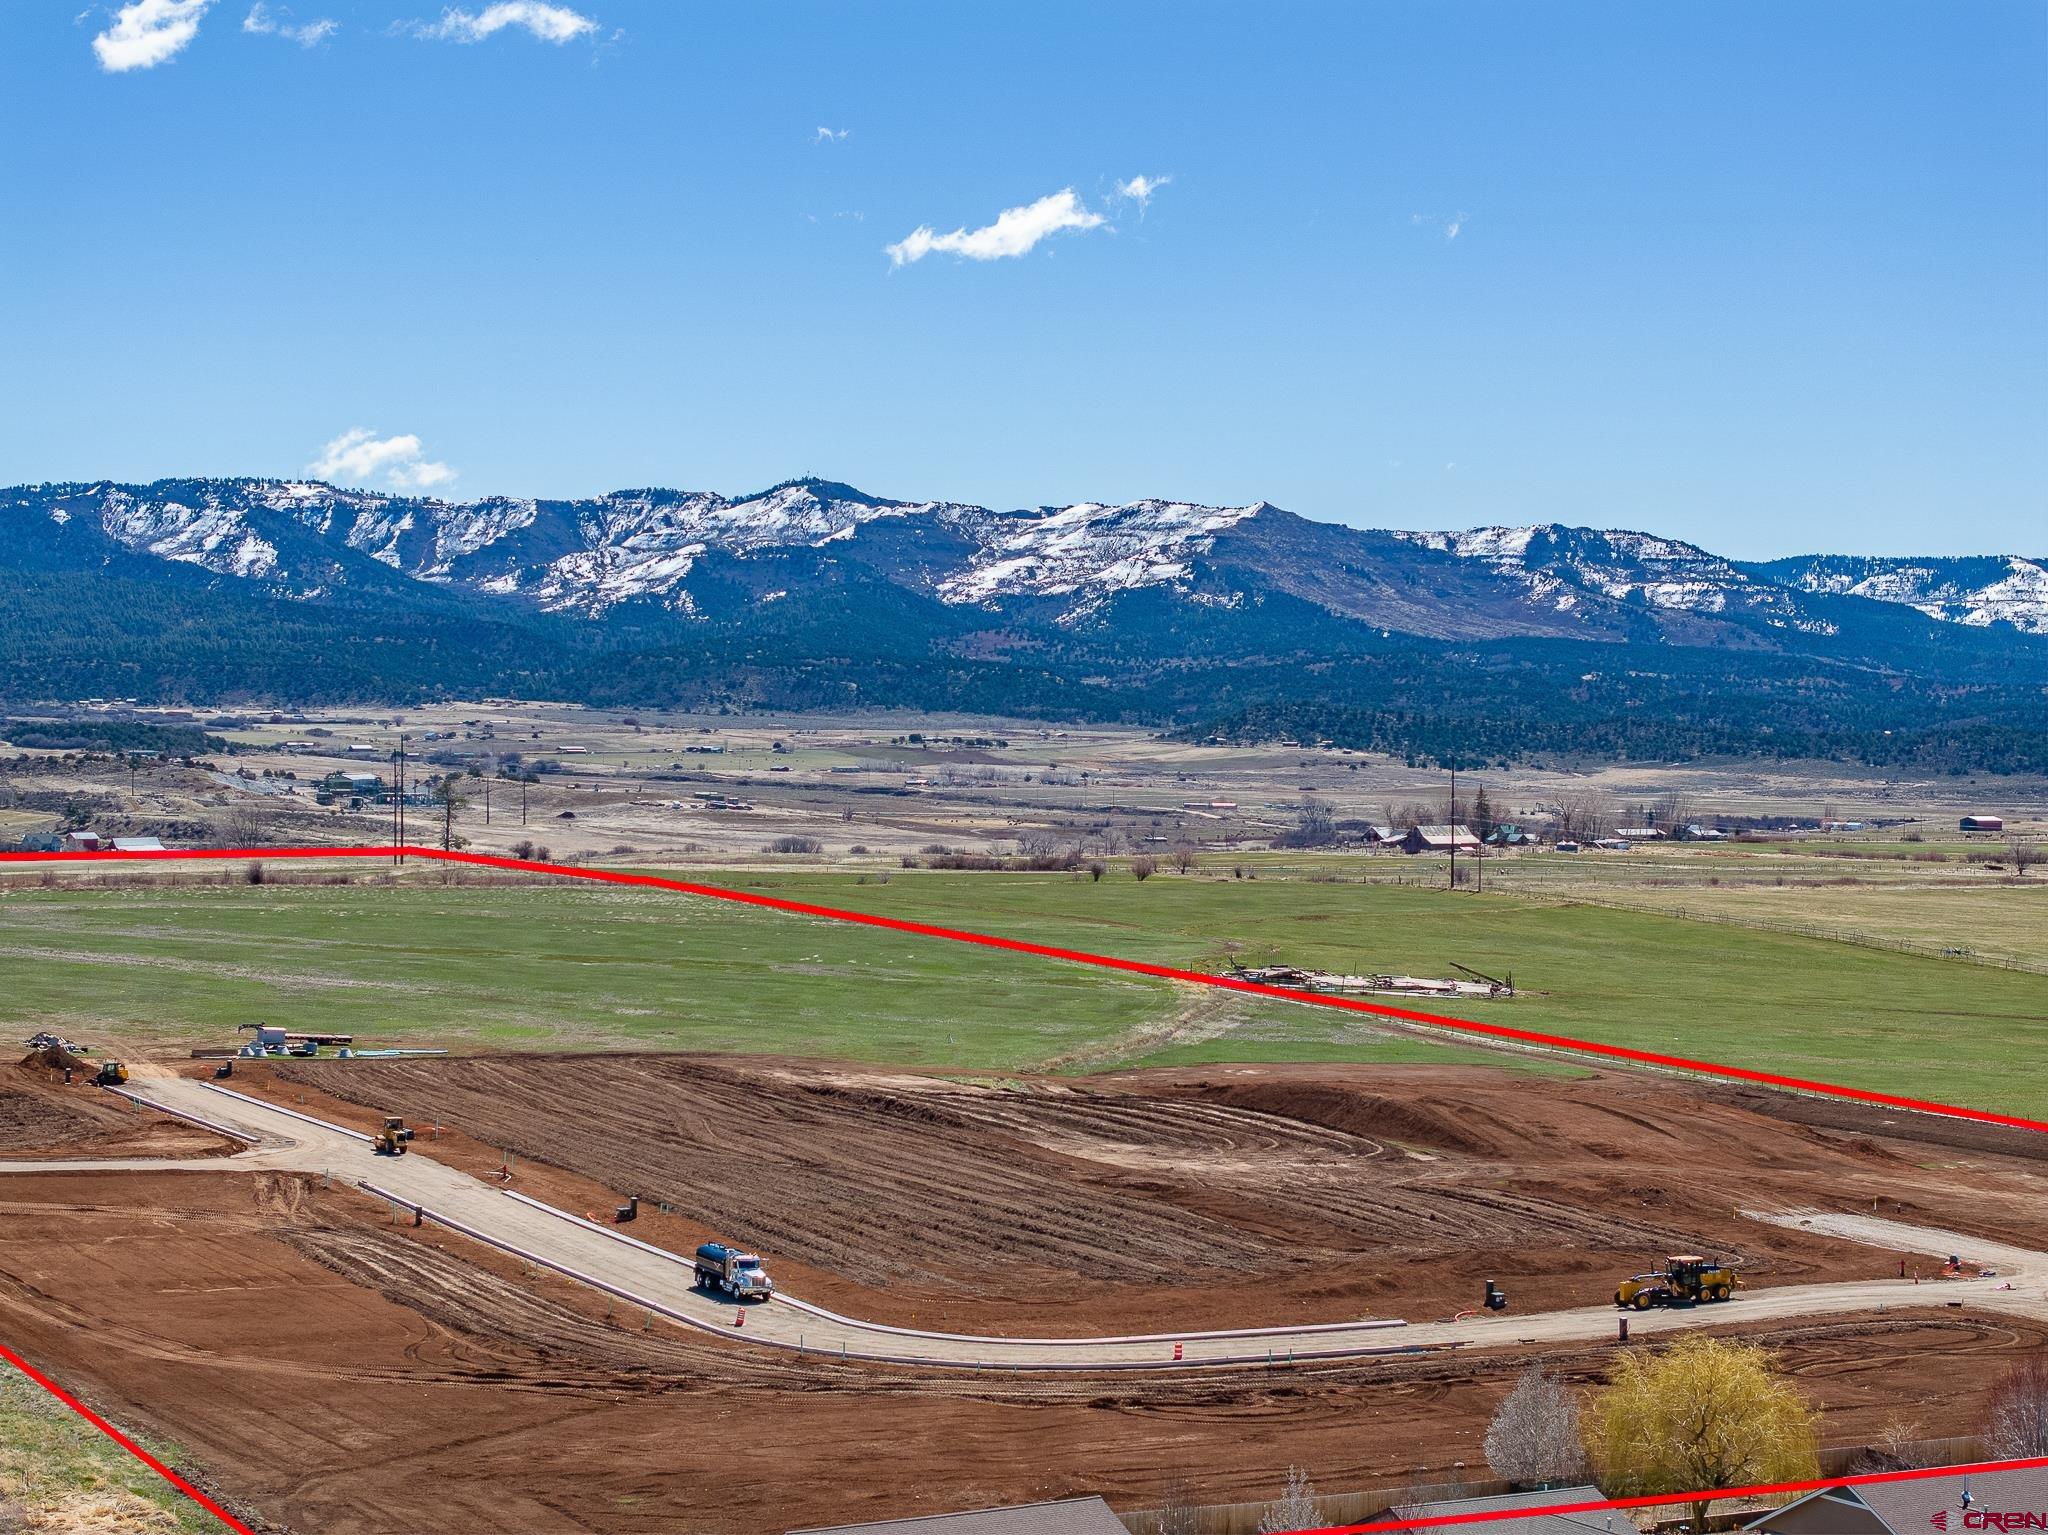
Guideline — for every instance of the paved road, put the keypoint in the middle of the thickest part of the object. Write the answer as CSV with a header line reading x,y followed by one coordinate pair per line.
x,y
662,1283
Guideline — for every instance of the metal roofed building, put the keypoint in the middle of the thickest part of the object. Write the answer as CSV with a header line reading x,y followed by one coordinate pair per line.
x,y
1601,1521
1068,1516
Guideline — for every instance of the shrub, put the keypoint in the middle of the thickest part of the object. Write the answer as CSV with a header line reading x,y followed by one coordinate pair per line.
x,y
796,845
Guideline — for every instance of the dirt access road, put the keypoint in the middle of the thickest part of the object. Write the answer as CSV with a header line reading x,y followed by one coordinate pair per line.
x,y
662,1283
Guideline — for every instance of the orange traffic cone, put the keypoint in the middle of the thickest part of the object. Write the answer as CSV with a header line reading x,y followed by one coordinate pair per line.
x,y
739,1317
1176,1353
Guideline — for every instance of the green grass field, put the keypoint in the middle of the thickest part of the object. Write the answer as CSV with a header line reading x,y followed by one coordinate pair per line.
x,y
58,1472
587,967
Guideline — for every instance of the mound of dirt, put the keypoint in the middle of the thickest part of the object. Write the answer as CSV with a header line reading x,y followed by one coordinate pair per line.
x,y
1403,1122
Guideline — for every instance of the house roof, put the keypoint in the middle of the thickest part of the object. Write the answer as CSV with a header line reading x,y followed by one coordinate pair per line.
x,y
1068,1516
1446,833
1605,1521
1910,1507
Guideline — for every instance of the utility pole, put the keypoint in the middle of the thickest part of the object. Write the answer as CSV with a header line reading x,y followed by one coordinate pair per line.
x,y
487,802
447,814
394,805
1454,829
401,799
522,802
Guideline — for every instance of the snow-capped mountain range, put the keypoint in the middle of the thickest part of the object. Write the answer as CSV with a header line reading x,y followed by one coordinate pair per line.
x,y
652,549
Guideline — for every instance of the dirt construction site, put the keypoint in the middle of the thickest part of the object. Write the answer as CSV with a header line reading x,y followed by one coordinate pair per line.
x,y
1311,1241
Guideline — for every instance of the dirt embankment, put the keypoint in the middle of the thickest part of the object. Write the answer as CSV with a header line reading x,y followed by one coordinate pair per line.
x,y
1216,1197
42,1116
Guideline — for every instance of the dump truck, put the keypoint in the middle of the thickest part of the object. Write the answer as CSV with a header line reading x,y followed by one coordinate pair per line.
x,y
735,1273
393,1138
1687,1279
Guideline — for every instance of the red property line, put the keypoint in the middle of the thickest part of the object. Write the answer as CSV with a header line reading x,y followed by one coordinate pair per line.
x,y
1665,1500
1080,957
1133,967
124,1441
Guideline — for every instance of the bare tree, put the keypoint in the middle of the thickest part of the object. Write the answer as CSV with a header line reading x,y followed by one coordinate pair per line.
x,y
1585,814
1534,1436
2016,1412
1314,826
2025,855
1294,1509
1671,812
1184,859
1144,866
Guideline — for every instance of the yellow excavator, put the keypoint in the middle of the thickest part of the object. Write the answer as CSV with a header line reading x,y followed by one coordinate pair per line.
x,y
393,1138
1687,1279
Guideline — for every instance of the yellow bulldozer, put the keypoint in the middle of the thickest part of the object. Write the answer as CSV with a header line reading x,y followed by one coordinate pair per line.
x,y
393,1138
110,1074
1687,1279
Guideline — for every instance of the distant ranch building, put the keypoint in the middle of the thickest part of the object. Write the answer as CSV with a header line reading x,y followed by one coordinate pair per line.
x,y
1439,839
1982,823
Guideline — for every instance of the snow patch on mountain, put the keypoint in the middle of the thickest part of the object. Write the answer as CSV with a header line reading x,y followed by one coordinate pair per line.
x,y
1093,550
1558,566
1977,592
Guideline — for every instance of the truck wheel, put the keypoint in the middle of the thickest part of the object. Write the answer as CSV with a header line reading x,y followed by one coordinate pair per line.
x,y
1621,1300
1644,1300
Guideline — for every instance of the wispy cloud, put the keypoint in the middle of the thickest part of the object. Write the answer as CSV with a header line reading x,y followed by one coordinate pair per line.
x,y
1450,226
146,33
359,456
1015,231
830,135
1139,189
549,23
262,22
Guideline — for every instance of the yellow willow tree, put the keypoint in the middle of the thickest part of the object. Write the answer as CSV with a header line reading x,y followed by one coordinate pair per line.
x,y
1699,1416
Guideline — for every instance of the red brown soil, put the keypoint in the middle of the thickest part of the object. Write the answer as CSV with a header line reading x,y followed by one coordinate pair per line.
x,y
1210,1197
340,1375
42,1117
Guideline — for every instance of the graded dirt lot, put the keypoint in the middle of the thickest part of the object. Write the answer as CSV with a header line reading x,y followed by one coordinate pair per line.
x,y
336,1373
1208,1197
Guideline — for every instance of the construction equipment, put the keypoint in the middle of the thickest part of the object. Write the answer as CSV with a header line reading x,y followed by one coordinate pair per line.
x,y
1496,1298
1687,1279
393,1138
738,1274
110,1074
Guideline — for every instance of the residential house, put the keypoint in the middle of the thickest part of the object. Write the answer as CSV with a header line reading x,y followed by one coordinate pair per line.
x,y
1599,1521
1068,1516
1950,1501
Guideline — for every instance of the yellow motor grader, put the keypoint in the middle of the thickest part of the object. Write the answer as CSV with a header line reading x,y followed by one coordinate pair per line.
x,y
1687,1279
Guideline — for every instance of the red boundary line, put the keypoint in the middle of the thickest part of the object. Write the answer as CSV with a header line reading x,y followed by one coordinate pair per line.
x,y
1079,957
124,1441
1133,967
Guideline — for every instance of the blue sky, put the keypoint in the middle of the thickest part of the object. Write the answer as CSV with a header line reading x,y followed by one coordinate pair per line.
x,y
1768,277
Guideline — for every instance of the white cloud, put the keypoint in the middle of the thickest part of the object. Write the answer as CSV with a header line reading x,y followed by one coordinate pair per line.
x,y
1139,189
830,135
146,33
359,456
1450,226
549,23
262,23
1015,231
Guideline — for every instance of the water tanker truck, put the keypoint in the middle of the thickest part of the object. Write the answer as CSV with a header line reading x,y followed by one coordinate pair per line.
x,y
733,1272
